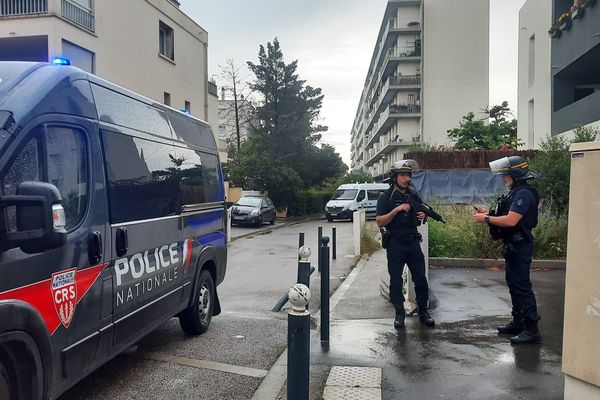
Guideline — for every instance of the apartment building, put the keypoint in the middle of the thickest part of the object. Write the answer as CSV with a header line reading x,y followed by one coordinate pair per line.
x,y
535,81
148,46
576,67
228,120
430,67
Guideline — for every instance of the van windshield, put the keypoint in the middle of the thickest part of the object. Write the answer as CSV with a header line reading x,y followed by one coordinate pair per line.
x,y
345,194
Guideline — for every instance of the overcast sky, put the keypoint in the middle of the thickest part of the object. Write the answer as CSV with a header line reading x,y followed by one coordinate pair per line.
x,y
333,40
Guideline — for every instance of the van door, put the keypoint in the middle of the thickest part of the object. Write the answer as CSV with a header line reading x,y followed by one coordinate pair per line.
x,y
371,202
361,200
64,285
144,197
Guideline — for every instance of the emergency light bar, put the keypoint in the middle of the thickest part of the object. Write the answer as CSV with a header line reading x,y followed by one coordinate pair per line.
x,y
61,61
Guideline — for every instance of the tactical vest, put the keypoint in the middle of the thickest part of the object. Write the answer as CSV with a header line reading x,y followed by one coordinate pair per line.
x,y
503,208
404,223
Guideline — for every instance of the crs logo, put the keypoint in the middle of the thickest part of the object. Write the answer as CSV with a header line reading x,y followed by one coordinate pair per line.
x,y
64,295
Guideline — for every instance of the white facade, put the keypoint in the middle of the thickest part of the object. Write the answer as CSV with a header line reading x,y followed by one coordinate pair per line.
x,y
227,119
117,40
535,78
430,67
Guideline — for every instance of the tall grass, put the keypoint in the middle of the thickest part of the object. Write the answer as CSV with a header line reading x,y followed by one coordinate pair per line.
x,y
461,237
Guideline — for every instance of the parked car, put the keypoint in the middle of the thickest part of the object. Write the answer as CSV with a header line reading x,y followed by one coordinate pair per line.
x,y
112,221
354,197
254,210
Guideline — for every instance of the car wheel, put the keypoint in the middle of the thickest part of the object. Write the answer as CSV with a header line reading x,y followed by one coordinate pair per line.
x,y
272,221
195,319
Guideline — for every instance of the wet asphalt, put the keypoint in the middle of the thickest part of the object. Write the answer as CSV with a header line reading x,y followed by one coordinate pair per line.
x,y
463,357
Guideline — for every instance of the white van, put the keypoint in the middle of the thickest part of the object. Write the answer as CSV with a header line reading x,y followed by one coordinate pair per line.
x,y
353,197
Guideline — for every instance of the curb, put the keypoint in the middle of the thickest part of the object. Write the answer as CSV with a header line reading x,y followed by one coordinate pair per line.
x,y
271,385
275,227
486,263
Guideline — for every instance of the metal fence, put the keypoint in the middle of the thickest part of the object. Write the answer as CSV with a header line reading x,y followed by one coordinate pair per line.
x,y
78,14
22,7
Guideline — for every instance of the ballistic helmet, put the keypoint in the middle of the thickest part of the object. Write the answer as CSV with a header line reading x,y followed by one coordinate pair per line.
x,y
515,166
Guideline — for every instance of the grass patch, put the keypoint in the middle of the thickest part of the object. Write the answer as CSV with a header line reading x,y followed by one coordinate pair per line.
x,y
369,242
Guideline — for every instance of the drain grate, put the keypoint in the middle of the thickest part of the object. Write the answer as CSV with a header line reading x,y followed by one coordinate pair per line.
x,y
353,383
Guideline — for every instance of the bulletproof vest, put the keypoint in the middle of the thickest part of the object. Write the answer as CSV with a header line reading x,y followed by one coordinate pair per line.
x,y
503,208
404,222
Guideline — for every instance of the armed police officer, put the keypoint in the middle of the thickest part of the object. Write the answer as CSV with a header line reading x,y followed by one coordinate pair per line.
x,y
512,221
402,241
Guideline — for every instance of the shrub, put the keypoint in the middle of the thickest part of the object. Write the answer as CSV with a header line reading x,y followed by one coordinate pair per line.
x,y
309,202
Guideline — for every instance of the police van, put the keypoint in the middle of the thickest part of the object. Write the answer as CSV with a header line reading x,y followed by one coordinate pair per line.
x,y
112,220
354,197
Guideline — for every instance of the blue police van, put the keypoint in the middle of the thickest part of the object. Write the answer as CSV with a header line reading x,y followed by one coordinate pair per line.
x,y
112,220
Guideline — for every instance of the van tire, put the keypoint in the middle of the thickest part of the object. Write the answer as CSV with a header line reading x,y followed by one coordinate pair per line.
x,y
195,319
7,391
329,219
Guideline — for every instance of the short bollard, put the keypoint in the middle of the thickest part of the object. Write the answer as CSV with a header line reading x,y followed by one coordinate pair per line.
x,y
334,243
304,266
319,235
298,343
324,258
300,241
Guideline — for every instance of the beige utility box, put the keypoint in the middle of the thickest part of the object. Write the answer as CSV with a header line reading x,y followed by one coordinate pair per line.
x,y
581,345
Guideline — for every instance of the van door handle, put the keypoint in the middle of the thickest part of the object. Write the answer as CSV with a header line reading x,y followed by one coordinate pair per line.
x,y
121,242
95,248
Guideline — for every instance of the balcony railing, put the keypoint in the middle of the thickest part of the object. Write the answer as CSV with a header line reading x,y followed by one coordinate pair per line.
x,y
11,8
77,14
405,109
405,80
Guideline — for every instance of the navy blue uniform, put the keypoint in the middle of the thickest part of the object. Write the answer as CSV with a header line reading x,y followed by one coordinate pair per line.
x,y
404,248
518,250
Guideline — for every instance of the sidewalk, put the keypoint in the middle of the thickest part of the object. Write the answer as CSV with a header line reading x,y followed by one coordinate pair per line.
x,y
463,357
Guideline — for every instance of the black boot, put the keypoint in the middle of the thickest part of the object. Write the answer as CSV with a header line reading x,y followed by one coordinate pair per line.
x,y
426,319
514,327
399,320
531,334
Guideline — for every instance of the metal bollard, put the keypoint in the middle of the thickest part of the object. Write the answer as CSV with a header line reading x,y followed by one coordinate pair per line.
x,y
304,266
319,235
300,242
334,243
298,344
324,258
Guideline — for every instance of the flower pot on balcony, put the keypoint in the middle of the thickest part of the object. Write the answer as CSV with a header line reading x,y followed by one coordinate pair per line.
x,y
566,24
554,33
578,13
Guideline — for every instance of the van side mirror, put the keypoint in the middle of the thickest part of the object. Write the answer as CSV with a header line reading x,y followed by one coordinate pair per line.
x,y
40,218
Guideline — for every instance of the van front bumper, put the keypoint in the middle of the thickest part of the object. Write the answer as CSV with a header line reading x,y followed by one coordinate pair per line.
x,y
333,214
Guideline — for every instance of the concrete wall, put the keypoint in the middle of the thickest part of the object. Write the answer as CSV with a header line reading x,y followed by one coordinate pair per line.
x,y
535,80
127,53
455,64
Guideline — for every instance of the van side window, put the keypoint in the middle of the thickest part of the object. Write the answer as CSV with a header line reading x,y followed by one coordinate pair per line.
x,y
188,130
373,194
58,157
199,177
118,109
142,178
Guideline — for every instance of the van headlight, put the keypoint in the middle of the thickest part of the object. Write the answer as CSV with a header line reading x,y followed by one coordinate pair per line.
x,y
254,213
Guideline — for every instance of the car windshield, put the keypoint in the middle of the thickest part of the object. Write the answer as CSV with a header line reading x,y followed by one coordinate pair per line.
x,y
249,202
344,194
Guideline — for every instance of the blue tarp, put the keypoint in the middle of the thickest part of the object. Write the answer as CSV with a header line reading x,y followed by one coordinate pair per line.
x,y
458,186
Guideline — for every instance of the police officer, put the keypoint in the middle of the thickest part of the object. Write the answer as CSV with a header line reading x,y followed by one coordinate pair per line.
x,y
402,241
512,221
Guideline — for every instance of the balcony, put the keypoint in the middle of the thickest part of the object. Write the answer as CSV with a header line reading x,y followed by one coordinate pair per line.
x,y
385,149
14,8
78,14
74,11
392,113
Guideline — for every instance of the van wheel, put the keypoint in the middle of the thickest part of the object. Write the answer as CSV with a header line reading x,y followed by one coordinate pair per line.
x,y
6,390
195,319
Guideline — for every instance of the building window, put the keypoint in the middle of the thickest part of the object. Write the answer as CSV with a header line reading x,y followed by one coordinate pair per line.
x,y
79,56
166,41
531,60
167,100
531,127
188,106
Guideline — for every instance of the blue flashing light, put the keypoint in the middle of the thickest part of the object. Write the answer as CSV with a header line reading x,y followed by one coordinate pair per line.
x,y
185,111
61,61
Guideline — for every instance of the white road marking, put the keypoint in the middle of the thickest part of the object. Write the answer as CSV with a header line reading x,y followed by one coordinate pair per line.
x,y
203,364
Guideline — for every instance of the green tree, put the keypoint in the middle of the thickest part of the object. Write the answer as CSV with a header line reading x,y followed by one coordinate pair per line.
x,y
355,177
496,129
283,155
585,134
